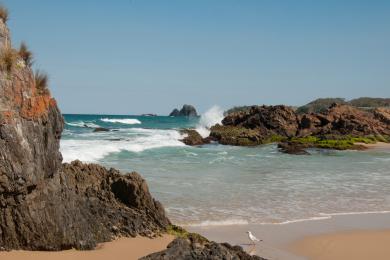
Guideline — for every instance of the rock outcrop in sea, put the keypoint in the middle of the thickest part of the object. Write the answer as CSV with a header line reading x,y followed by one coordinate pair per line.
x,y
45,205
338,127
186,110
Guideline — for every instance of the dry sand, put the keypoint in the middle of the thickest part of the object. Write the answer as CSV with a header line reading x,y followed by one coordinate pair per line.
x,y
356,245
378,146
123,248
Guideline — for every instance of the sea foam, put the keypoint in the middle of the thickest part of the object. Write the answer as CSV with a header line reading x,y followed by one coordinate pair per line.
x,y
126,121
212,117
82,124
132,140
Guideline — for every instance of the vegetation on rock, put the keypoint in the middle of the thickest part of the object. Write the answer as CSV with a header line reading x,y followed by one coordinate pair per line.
x,y
8,59
41,82
25,54
4,15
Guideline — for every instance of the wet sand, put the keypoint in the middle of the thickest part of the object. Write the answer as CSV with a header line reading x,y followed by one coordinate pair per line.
x,y
356,245
279,238
123,248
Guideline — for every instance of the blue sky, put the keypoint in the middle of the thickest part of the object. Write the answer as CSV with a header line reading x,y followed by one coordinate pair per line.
x,y
143,56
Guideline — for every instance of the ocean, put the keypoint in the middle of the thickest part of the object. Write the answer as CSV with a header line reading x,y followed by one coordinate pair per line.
x,y
221,185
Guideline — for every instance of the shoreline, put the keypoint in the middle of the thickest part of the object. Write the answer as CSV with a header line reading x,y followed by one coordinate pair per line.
x,y
121,248
279,238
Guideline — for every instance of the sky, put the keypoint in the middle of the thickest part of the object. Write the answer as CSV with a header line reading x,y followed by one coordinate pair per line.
x,y
144,56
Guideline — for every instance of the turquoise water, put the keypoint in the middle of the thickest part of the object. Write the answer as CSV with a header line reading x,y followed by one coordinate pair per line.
x,y
216,185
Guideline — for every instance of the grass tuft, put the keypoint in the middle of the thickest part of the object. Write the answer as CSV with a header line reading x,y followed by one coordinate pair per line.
x,y
4,14
41,82
7,59
25,54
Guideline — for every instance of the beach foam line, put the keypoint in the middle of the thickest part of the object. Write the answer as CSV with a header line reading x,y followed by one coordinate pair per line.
x,y
324,216
355,213
126,121
296,220
227,222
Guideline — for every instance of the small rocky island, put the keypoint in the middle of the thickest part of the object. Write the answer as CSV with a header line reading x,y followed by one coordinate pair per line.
x,y
186,110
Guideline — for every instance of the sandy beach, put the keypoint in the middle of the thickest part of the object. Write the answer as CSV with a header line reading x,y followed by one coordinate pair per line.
x,y
357,245
123,248
291,241
377,146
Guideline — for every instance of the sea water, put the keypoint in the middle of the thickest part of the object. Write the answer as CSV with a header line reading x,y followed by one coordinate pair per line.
x,y
219,185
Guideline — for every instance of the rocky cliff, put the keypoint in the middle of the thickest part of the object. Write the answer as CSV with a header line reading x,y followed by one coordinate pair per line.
x,y
45,205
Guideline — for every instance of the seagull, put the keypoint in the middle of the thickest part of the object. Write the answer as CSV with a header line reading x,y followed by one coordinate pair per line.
x,y
253,238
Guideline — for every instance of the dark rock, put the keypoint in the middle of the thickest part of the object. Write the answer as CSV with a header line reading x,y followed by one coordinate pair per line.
x,y
45,205
175,112
382,114
293,148
189,248
193,137
101,129
187,110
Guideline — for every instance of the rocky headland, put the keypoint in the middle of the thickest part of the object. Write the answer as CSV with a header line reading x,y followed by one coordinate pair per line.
x,y
186,110
339,127
50,206
47,205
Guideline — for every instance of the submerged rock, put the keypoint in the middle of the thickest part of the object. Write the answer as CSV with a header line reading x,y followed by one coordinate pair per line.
x,y
191,248
293,148
45,205
101,129
187,110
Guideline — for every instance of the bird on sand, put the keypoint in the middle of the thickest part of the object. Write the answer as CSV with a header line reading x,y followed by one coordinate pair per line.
x,y
253,238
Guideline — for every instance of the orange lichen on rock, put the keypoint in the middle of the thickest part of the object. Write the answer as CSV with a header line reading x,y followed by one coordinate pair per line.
x,y
6,117
36,107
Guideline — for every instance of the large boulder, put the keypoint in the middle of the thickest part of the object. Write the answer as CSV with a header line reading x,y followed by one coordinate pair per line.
x,y
258,125
345,120
187,110
191,248
45,205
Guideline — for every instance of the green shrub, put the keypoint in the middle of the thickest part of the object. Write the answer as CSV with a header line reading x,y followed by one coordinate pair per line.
x,y
7,59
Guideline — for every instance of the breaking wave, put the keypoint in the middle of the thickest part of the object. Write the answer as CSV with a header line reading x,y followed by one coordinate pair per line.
x,y
126,121
133,140
82,124
212,117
